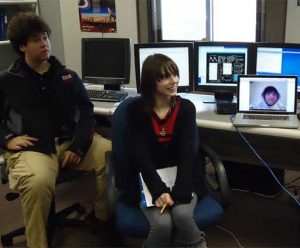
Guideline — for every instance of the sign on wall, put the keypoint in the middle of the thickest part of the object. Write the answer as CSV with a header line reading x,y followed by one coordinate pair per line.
x,y
97,16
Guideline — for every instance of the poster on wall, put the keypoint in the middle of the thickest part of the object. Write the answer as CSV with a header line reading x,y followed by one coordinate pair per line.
x,y
97,16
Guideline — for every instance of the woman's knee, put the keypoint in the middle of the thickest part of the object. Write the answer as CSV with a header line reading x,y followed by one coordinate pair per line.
x,y
180,217
163,224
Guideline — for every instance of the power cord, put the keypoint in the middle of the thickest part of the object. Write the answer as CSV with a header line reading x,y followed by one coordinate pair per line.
x,y
259,194
232,234
265,164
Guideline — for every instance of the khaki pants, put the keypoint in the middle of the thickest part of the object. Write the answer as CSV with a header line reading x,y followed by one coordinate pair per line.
x,y
33,174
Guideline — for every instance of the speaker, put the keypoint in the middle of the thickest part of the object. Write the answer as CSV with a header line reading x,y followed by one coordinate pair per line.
x,y
223,95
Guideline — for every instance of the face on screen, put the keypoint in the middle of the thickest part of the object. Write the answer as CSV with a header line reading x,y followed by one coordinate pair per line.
x,y
267,94
271,97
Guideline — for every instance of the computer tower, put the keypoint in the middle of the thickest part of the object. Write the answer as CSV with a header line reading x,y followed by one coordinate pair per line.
x,y
253,178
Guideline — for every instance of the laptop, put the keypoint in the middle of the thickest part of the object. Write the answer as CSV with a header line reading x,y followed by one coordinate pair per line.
x,y
267,101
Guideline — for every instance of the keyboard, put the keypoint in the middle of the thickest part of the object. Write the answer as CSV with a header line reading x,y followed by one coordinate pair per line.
x,y
106,95
226,108
265,117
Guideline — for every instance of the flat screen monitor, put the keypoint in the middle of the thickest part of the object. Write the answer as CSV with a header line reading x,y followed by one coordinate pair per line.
x,y
218,65
180,52
106,61
278,59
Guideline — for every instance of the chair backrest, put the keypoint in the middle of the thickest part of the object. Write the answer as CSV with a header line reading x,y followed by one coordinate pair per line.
x,y
124,177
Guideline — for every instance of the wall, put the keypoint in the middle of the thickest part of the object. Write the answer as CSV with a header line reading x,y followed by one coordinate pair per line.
x,y
48,9
71,38
275,20
292,33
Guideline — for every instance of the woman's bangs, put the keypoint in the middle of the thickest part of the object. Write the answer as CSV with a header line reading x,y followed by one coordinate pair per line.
x,y
169,70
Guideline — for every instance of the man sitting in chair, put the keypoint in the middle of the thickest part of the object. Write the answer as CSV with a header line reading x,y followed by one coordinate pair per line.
x,y
46,121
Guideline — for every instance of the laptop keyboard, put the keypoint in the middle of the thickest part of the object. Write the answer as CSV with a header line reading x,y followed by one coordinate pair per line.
x,y
265,117
106,95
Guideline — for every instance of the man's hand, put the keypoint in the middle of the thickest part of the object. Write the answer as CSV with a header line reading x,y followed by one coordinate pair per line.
x,y
70,158
165,198
19,142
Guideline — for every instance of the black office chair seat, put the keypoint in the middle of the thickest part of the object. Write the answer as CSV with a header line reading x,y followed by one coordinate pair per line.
x,y
55,219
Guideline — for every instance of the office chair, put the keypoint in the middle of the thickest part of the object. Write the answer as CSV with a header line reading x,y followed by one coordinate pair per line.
x,y
130,221
55,219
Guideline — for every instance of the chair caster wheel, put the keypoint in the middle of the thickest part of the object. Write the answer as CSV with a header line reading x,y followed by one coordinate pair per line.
x,y
6,241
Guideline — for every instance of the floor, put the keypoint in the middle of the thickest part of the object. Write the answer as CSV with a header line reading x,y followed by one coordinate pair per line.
x,y
251,220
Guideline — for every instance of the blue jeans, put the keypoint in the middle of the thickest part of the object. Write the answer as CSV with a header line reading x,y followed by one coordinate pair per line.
x,y
175,226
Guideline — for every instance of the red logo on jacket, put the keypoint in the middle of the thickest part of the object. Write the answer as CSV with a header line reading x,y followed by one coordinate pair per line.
x,y
67,79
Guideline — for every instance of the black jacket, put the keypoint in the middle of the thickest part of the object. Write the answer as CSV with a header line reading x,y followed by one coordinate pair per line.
x,y
148,155
59,108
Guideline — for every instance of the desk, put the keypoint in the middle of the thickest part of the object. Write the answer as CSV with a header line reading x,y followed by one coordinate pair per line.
x,y
278,147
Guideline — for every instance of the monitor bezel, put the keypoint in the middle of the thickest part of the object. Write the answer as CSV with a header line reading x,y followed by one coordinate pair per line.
x,y
107,80
188,45
226,87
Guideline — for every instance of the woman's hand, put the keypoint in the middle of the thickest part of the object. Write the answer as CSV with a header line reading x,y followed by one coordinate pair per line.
x,y
165,198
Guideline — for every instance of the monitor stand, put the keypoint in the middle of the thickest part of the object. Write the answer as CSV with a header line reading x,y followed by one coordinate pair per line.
x,y
115,87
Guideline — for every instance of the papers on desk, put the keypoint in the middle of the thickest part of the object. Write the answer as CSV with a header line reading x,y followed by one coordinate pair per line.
x,y
167,175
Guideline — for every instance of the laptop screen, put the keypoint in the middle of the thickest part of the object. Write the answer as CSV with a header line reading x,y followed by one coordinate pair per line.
x,y
267,94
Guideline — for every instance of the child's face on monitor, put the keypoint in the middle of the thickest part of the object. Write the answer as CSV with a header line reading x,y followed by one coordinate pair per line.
x,y
271,98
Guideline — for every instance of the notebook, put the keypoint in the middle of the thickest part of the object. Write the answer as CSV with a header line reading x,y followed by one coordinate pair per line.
x,y
167,175
267,101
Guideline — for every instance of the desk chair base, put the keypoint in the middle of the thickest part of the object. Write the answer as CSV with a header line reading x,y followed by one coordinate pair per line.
x,y
59,219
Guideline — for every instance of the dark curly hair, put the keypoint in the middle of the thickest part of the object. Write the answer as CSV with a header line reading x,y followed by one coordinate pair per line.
x,y
269,89
22,26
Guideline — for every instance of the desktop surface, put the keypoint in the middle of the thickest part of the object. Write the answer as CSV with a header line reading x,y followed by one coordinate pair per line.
x,y
278,146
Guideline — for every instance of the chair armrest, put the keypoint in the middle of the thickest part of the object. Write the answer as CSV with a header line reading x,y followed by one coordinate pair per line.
x,y
10,196
4,176
221,185
110,183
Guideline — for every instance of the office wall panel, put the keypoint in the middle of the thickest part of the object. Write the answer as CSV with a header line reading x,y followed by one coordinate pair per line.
x,y
292,34
68,33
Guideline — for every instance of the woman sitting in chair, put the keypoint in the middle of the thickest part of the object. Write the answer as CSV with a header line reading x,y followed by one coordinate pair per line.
x,y
161,134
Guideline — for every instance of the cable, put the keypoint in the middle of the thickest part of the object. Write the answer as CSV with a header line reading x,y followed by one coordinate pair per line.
x,y
232,234
264,163
259,194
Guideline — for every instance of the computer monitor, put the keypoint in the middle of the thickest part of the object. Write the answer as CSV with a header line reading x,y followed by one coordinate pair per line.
x,y
218,64
180,52
106,61
278,59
